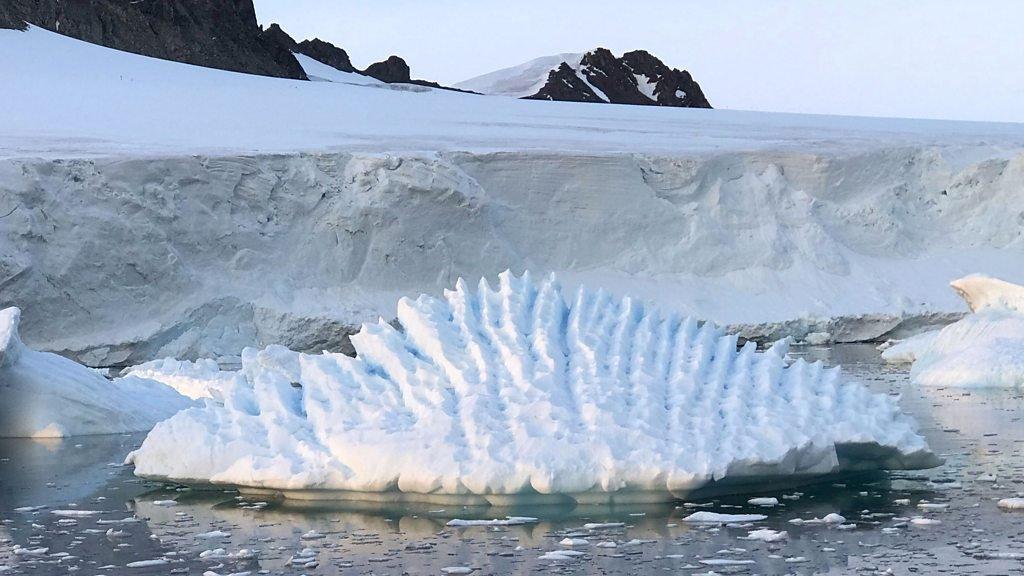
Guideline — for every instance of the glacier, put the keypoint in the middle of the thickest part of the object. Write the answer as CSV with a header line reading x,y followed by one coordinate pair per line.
x,y
984,349
526,392
249,211
47,396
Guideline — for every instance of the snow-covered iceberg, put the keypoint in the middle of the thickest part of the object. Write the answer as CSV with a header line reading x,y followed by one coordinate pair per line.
x,y
522,392
984,349
199,379
46,395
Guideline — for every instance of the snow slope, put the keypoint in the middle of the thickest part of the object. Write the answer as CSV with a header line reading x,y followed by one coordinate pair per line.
x,y
984,349
227,236
522,80
45,395
319,72
524,390
66,98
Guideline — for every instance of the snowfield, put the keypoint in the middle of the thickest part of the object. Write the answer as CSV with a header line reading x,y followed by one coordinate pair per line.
x,y
150,209
526,392
47,396
984,349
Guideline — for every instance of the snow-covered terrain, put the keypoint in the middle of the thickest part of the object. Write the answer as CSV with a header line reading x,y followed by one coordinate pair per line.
x,y
142,220
522,80
984,349
44,395
526,391
199,379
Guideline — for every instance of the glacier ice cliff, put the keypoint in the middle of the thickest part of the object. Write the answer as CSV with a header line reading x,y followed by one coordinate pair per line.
x,y
44,395
118,261
984,349
525,391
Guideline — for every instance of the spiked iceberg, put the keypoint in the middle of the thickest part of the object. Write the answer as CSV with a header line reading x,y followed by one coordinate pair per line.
x,y
46,395
520,393
984,349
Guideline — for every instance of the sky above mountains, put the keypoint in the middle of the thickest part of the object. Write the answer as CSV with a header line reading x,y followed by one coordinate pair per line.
x,y
909,58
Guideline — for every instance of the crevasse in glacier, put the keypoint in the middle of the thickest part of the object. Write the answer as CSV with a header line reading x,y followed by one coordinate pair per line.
x,y
525,392
46,395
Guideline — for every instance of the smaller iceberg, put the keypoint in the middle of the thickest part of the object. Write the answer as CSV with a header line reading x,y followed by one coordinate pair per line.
x,y
45,395
196,380
984,349
524,393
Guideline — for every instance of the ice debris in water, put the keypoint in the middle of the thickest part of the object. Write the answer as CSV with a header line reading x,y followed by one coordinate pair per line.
x,y
524,390
983,349
46,395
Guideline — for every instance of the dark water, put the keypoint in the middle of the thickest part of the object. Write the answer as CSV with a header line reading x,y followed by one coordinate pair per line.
x,y
979,433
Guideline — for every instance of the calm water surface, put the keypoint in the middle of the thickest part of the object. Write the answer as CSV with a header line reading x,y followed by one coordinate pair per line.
x,y
178,531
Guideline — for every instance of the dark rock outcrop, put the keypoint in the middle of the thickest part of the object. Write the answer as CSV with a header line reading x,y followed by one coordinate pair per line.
x,y
392,70
327,53
316,48
636,78
219,34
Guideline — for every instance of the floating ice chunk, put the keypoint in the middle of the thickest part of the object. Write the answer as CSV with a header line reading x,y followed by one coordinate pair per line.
x,y
763,501
984,349
147,563
832,518
213,534
199,379
74,513
705,517
767,535
921,521
603,525
457,570
523,391
46,395
561,555
574,542
726,562
1011,504
510,521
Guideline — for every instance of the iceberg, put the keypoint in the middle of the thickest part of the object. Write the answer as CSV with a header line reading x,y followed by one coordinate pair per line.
x,y
525,394
984,349
196,380
46,395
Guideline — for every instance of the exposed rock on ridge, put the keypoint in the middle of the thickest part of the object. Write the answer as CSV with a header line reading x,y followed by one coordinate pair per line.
x,y
223,34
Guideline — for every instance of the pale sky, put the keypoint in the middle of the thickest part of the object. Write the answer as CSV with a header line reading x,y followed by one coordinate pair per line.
x,y
955,59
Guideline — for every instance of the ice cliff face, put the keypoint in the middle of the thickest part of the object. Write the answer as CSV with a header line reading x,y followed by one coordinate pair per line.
x,y
118,262
45,395
526,390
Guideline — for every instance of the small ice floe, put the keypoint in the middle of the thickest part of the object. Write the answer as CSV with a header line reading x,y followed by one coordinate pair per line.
x,y
561,555
922,521
29,508
111,533
222,554
999,555
22,551
147,563
766,535
212,573
726,562
165,503
574,542
932,507
603,525
986,478
74,513
214,534
306,558
902,502
457,570
606,544
796,560
832,518
766,502
312,535
1011,504
705,517
131,520
509,521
